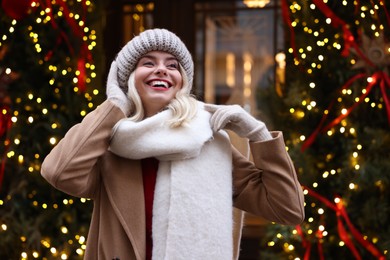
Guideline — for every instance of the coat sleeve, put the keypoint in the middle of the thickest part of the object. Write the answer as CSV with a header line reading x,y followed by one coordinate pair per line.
x,y
72,165
268,186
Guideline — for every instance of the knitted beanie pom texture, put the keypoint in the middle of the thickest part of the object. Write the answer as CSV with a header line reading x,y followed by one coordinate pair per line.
x,y
152,40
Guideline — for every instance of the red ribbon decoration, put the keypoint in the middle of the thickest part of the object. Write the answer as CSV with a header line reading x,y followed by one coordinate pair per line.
x,y
84,53
341,214
379,77
309,141
349,40
306,244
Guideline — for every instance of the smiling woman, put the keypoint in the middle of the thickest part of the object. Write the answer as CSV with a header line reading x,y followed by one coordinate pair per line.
x,y
160,167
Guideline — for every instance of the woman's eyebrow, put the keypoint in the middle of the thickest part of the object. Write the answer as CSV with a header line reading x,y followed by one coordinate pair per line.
x,y
154,57
148,57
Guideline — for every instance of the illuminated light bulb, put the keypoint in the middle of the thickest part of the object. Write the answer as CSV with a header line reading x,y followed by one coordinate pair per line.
x,y
82,240
290,247
20,159
271,243
321,211
352,186
64,230
53,140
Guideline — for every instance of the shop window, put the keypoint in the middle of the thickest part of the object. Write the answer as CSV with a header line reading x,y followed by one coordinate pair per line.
x,y
236,46
136,19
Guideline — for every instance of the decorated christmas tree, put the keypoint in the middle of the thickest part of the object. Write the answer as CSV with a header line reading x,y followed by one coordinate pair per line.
x,y
48,82
334,109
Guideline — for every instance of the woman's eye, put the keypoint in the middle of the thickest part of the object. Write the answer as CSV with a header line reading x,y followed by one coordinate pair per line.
x,y
148,63
173,65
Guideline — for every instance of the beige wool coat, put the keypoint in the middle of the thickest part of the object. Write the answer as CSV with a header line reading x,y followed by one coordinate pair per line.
x,y
82,165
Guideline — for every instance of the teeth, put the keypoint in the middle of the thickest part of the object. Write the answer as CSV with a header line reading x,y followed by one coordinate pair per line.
x,y
159,83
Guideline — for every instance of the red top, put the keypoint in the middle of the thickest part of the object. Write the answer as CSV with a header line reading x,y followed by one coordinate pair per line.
x,y
149,173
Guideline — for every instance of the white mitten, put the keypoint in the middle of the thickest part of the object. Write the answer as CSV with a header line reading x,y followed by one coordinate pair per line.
x,y
115,93
235,118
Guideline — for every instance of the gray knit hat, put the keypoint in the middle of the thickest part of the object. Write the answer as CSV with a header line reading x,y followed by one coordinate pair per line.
x,y
152,40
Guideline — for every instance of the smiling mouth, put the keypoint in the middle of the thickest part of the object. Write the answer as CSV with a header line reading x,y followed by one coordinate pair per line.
x,y
159,84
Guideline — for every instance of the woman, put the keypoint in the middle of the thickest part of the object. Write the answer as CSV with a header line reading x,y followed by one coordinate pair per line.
x,y
162,173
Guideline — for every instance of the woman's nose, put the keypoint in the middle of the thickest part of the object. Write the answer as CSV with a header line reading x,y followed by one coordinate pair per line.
x,y
161,70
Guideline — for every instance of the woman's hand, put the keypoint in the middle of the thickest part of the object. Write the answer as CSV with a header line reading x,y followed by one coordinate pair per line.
x,y
115,93
235,118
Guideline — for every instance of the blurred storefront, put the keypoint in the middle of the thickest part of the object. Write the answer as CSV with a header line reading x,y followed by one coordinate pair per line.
x,y
237,47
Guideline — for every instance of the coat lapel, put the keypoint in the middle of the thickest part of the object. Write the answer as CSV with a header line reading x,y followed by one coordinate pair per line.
x,y
124,187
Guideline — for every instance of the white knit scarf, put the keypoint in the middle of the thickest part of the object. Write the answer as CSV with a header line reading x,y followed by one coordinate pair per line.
x,y
192,209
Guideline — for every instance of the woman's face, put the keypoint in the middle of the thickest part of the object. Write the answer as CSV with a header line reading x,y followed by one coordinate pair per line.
x,y
157,79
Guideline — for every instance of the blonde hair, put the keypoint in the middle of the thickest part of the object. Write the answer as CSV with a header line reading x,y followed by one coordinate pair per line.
x,y
183,106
